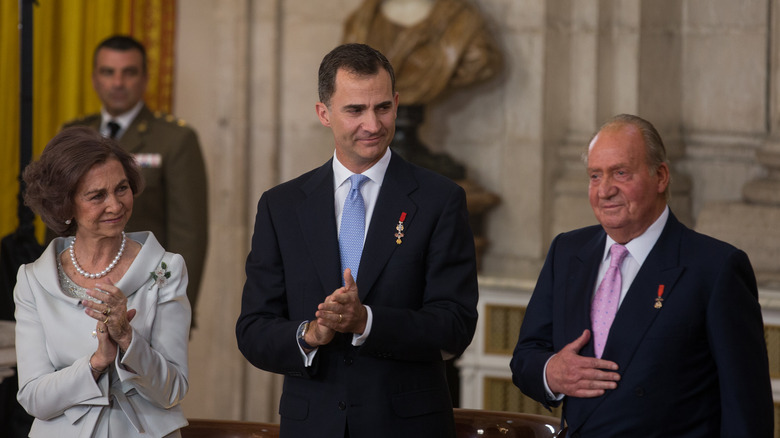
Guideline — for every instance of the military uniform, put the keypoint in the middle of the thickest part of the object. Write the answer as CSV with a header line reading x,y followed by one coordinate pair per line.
x,y
173,204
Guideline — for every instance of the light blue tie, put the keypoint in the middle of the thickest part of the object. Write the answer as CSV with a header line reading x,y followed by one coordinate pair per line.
x,y
353,225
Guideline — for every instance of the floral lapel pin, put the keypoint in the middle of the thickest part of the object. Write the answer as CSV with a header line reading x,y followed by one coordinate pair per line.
x,y
659,301
400,228
161,275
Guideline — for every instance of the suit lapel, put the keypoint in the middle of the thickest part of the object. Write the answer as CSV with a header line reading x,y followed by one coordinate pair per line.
x,y
132,139
380,243
583,269
637,312
317,217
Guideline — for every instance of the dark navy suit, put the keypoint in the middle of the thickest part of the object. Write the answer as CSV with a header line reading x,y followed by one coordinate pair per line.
x,y
423,295
696,367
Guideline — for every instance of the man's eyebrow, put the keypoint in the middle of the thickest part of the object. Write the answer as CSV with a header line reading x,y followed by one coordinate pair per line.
x,y
609,168
361,107
354,106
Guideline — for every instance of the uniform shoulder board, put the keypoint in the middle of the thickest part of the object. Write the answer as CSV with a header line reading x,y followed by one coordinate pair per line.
x,y
84,118
170,118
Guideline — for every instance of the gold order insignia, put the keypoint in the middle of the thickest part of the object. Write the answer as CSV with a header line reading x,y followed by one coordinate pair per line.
x,y
400,228
659,301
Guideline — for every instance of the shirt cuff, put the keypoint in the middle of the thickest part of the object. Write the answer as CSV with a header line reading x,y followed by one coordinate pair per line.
x,y
308,358
547,390
359,339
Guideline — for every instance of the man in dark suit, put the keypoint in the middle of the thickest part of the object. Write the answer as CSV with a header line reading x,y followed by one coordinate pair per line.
x,y
685,355
364,357
173,204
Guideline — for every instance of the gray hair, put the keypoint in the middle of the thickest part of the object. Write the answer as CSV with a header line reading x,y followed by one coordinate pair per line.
x,y
655,151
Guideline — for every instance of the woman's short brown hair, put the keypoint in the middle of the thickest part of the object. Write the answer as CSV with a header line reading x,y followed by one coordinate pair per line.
x,y
52,180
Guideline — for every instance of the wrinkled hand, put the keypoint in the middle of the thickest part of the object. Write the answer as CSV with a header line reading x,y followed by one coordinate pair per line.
x,y
113,326
342,310
579,376
107,348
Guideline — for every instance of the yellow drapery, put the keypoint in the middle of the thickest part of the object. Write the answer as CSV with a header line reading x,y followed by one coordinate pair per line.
x,y
65,33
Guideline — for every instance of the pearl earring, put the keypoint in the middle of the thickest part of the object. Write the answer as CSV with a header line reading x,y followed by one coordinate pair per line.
x,y
67,222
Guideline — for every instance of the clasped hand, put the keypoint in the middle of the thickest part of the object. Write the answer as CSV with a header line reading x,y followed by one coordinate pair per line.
x,y
113,328
579,376
341,312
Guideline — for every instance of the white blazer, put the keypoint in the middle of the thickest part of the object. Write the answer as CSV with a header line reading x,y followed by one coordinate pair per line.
x,y
54,343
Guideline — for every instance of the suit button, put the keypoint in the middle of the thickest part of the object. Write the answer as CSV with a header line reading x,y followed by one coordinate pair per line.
x,y
348,361
639,392
342,406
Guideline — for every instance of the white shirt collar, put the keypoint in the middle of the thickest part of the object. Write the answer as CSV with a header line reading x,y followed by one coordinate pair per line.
x,y
375,173
640,247
124,120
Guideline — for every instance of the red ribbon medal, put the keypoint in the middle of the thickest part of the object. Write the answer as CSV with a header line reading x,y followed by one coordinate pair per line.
x,y
400,228
659,302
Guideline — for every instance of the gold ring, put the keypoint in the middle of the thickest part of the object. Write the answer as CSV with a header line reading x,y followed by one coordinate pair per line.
x,y
340,317
101,330
107,311
106,321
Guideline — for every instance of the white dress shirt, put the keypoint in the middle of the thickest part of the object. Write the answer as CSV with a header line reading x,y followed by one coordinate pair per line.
x,y
638,249
123,120
370,192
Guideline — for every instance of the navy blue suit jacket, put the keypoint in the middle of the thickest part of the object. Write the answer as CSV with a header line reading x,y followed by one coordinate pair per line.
x,y
696,367
423,295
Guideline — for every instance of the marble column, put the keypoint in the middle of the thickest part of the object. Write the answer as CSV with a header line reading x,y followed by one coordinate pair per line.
x,y
751,223
623,57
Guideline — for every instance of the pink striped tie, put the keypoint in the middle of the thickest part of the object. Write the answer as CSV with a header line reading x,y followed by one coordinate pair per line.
x,y
605,302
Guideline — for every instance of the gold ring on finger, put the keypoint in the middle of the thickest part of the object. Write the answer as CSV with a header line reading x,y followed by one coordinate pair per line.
x,y
340,318
101,330
106,321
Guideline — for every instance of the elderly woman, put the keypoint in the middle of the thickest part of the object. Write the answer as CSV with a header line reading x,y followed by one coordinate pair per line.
x,y
102,316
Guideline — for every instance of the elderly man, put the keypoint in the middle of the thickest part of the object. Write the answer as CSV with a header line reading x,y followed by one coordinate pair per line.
x,y
641,326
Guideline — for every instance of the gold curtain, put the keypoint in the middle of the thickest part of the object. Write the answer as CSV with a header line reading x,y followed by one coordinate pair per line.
x,y
65,33
9,114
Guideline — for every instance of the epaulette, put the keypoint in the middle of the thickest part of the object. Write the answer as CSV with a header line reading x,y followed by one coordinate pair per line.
x,y
170,118
82,118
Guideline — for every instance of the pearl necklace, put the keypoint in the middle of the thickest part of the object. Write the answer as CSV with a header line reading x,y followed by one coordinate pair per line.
x,y
86,274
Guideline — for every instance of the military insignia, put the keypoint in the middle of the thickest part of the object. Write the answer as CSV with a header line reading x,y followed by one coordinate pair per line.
x,y
148,160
